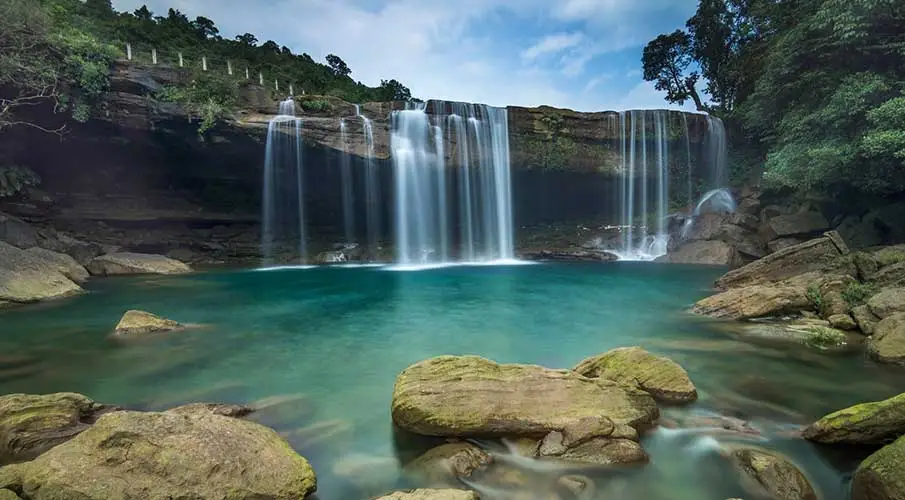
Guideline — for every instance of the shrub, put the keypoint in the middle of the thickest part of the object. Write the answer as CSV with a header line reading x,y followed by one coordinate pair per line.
x,y
823,337
814,297
209,98
316,105
856,294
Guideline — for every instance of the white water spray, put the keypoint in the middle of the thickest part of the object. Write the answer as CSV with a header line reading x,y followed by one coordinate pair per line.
x,y
283,197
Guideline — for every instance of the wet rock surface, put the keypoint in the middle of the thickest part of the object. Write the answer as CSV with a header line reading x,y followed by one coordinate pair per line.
x,y
136,323
868,423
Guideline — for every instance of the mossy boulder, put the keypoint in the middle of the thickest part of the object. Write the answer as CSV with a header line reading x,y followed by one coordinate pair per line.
x,y
431,494
888,302
887,345
166,455
135,263
31,277
605,452
8,495
881,476
474,396
32,424
141,322
772,475
661,377
869,423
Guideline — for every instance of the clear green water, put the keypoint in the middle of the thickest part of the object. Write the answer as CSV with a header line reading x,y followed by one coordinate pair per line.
x,y
339,336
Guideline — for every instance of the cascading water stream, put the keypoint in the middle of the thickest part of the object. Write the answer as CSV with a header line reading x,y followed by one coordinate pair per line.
x,y
345,167
434,195
283,198
372,188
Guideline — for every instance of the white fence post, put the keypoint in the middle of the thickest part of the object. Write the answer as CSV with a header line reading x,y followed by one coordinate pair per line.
x,y
181,63
261,79
276,85
290,90
129,51
246,74
229,67
154,56
204,63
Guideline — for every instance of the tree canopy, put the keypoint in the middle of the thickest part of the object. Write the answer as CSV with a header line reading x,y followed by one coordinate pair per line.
x,y
814,88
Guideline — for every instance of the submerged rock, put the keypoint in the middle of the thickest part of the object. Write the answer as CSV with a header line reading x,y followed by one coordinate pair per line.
x,y
140,322
445,464
27,276
577,486
135,263
659,376
32,424
571,255
605,452
868,423
166,455
474,396
772,474
881,476
222,409
431,494
887,345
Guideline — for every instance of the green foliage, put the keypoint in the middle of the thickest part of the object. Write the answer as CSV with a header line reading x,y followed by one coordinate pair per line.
x,y
316,105
856,294
814,297
15,179
666,60
209,97
822,337
889,256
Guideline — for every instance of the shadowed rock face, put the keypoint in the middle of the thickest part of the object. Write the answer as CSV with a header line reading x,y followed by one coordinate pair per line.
x,y
881,475
473,396
166,455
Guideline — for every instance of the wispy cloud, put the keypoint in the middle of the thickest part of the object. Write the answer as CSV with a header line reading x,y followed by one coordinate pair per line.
x,y
552,44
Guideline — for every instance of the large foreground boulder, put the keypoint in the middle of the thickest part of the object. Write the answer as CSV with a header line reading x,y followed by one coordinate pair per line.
x,y
135,263
772,476
881,476
661,377
166,455
474,396
760,300
887,345
32,424
820,254
869,424
27,276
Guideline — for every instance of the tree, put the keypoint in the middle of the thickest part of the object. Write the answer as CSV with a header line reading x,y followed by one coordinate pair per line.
x,y
666,61
338,65
392,90
205,27
271,47
247,39
143,14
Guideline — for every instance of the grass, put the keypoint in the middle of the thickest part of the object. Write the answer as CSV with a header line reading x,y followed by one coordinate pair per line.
x,y
857,294
822,337
815,298
316,105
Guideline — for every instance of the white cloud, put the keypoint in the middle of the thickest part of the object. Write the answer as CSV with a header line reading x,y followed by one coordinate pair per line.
x,y
552,44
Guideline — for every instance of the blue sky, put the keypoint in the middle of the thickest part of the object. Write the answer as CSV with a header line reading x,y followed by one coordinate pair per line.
x,y
578,54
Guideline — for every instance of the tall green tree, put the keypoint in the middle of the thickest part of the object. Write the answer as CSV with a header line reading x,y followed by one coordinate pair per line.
x,y
666,61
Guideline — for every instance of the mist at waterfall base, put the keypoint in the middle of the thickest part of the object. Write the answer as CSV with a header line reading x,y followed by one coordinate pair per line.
x,y
449,193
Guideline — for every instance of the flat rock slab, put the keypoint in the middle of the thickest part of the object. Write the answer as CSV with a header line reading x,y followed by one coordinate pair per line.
x,y
166,455
474,396
135,263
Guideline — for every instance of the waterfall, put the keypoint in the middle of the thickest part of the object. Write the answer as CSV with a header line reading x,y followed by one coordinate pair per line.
x,y
435,195
283,197
345,169
644,142
372,188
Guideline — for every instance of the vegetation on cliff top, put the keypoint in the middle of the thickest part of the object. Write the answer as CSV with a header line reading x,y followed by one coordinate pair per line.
x,y
812,90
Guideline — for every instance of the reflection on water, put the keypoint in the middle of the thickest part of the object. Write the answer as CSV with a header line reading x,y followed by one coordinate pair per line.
x,y
319,350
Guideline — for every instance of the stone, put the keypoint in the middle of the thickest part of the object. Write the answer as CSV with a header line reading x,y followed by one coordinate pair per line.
x,y
369,473
717,253
8,495
890,255
577,486
843,322
66,265
659,376
887,344
866,320
865,424
756,301
891,275
773,474
140,322
881,476
797,224
431,494
29,277
571,255
222,409
832,302
17,232
32,424
889,219
445,464
129,454
587,428
888,302
860,232
820,254
606,452
474,396
866,264
135,263
552,445
781,243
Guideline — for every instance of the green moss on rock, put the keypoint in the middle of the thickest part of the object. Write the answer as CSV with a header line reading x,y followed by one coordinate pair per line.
x,y
868,423
881,476
661,377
